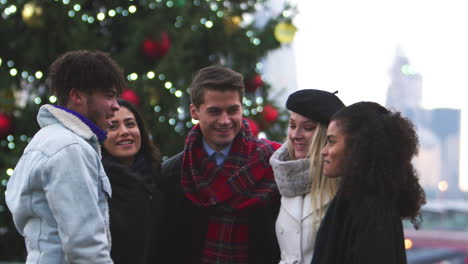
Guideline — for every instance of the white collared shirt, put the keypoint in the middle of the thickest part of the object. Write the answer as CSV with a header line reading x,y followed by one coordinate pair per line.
x,y
219,156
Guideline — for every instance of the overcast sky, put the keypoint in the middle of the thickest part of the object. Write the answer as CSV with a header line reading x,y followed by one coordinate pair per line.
x,y
350,45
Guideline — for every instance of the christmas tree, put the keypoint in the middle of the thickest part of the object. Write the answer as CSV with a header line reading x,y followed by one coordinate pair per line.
x,y
159,43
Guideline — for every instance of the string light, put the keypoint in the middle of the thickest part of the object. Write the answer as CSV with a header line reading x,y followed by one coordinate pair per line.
x,y
101,16
132,76
52,99
255,41
38,74
209,24
150,75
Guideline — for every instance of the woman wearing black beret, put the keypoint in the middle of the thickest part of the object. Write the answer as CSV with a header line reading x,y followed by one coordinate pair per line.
x,y
297,166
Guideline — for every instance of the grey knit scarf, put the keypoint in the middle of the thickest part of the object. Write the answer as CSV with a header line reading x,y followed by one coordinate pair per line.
x,y
292,176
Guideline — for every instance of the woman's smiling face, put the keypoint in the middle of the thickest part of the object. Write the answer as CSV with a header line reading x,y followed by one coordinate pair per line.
x,y
300,133
123,139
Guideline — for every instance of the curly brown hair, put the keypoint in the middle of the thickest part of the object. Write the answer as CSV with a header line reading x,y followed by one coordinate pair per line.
x,y
86,71
380,145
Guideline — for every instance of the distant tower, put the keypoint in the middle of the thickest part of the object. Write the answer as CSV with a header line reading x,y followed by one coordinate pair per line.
x,y
405,90
438,130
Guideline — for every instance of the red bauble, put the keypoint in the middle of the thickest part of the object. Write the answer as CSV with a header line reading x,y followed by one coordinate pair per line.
x,y
164,45
270,113
6,125
253,126
150,48
157,49
131,96
254,83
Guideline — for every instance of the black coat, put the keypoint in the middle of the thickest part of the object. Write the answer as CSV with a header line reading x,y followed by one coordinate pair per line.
x,y
360,232
185,225
131,212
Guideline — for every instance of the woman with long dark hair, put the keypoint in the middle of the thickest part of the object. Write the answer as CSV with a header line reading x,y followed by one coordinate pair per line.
x,y
370,149
132,163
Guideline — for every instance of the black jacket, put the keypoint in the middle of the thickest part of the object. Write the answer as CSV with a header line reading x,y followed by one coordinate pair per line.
x,y
131,212
368,231
184,225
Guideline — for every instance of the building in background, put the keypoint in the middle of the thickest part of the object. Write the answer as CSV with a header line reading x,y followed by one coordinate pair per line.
x,y
438,130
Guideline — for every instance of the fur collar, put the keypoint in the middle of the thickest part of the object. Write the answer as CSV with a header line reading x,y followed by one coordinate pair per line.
x,y
49,114
292,176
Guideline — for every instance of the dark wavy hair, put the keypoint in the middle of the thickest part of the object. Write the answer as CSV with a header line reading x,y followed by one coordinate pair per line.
x,y
148,148
379,147
86,71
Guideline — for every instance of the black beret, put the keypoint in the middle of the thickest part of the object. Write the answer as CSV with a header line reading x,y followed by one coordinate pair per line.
x,y
314,104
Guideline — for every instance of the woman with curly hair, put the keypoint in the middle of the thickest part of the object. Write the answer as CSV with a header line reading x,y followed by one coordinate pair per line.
x,y
370,149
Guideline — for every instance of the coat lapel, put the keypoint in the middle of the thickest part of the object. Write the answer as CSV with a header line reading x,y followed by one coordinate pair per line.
x,y
307,209
293,206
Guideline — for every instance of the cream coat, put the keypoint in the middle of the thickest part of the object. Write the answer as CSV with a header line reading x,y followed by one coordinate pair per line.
x,y
294,230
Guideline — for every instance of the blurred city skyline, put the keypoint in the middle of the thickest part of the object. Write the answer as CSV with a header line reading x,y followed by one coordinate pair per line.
x,y
350,46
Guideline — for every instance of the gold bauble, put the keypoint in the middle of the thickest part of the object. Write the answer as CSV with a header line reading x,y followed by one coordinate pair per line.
x,y
32,15
7,100
284,32
232,24
153,97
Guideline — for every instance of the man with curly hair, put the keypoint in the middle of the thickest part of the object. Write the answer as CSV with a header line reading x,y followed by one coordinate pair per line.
x,y
58,192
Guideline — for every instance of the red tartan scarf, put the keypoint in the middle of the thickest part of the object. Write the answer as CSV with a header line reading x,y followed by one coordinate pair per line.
x,y
244,182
